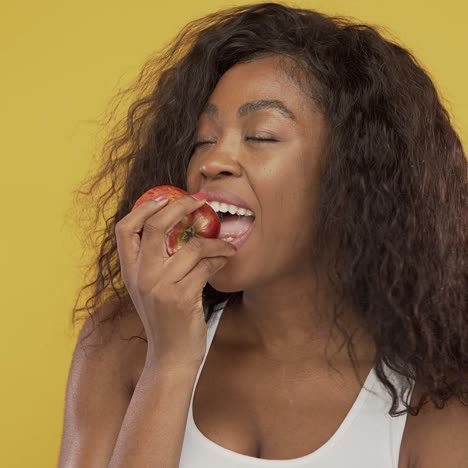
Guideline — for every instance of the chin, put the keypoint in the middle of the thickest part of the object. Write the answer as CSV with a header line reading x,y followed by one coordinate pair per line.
x,y
224,286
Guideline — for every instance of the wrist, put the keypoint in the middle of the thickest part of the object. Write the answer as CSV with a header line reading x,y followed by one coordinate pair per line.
x,y
183,368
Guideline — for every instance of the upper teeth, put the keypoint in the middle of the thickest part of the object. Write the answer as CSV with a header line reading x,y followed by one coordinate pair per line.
x,y
232,209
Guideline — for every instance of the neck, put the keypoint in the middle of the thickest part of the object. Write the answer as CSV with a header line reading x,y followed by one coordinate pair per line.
x,y
305,332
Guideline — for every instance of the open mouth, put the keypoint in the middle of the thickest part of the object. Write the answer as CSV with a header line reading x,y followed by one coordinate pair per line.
x,y
228,215
234,223
235,229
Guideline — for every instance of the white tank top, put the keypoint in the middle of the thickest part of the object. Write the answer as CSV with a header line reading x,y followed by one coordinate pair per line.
x,y
367,438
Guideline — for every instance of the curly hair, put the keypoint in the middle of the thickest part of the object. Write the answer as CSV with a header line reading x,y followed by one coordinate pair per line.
x,y
392,214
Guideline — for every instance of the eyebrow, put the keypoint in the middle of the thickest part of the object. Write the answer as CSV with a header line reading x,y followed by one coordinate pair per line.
x,y
250,107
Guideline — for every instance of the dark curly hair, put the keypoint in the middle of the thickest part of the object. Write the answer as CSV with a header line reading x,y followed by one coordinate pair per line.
x,y
392,215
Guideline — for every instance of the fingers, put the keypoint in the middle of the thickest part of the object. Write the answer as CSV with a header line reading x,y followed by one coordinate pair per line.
x,y
193,284
147,255
127,233
153,242
198,251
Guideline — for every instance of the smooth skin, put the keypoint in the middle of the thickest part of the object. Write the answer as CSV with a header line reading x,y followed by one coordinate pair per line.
x,y
275,336
279,179
166,292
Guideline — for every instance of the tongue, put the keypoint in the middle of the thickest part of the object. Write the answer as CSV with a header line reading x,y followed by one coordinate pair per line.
x,y
234,225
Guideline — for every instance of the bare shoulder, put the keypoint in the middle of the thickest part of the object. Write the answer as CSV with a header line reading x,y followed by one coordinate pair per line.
x,y
436,437
117,337
99,387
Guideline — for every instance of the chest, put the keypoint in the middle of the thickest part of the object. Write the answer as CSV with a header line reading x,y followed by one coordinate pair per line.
x,y
270,412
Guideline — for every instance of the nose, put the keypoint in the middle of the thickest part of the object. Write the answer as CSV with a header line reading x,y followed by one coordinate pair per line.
x,y
213,169
220,160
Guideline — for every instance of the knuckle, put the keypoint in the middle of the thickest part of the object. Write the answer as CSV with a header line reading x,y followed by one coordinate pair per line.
x,y
208,265
119,226
151,227
195,243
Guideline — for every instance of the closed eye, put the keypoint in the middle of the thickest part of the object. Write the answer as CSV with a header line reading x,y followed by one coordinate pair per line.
x,y
260,140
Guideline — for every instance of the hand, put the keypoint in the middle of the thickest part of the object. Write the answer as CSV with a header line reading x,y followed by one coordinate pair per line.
x,y
167,290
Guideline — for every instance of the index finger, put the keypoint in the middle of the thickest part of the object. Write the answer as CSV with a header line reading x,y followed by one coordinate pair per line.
x,y
128,232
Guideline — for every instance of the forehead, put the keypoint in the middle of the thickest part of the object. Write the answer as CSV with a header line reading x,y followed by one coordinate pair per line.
x,y
260,79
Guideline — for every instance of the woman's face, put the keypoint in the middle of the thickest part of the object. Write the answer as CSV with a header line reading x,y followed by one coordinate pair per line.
x,y
278,180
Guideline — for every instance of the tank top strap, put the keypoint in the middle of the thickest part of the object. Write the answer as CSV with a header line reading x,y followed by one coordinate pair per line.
x,y
213,322
212,325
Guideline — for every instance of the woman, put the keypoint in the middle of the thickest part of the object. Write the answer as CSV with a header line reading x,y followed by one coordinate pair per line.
x,y
337,334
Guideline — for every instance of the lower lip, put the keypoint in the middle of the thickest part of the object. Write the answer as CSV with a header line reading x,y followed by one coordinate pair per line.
x,y
238,242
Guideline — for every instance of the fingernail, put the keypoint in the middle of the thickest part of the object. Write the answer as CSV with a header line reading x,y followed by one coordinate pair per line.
x,y
199,196
160,198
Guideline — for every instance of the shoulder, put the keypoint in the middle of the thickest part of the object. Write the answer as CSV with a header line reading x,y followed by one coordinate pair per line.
x,y
438,437
109,327
116,337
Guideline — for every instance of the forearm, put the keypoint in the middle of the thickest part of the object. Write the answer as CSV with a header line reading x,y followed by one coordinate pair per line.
x,y
153,429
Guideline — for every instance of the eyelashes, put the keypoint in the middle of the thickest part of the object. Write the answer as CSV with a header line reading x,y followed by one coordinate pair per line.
x,y
259,140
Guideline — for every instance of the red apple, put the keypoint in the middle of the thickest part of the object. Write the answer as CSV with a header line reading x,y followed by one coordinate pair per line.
x,y
203,222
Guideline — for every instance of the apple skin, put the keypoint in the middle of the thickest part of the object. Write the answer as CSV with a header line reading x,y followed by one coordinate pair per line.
x,y
203,222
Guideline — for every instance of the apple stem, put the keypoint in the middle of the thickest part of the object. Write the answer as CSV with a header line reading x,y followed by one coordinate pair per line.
x,y
188,234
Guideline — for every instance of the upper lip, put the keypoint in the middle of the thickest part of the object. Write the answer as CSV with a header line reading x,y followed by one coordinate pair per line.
x,y
223,196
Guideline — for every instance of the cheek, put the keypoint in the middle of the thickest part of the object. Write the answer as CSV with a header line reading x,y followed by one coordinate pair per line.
x,y
294,219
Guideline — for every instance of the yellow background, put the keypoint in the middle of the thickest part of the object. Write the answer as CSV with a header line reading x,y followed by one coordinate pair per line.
x,y
61,62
